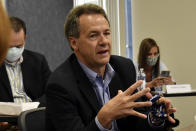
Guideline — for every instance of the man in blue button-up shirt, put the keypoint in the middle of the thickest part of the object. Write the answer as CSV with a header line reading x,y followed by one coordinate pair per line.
x,y
93,90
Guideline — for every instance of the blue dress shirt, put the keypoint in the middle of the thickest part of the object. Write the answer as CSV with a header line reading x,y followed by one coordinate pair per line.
x,y
101,88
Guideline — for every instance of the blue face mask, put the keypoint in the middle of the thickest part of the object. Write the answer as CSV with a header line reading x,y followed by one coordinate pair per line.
x,y
14,53
151,61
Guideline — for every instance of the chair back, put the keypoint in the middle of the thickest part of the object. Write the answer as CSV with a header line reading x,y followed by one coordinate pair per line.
x,y
32,120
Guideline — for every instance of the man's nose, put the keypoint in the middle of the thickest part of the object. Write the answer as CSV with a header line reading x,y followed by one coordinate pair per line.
x,y
103,39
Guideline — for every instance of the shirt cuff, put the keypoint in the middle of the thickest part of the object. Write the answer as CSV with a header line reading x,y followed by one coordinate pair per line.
x,y
101,128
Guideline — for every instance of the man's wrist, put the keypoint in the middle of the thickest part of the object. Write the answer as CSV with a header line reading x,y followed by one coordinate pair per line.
x,y
104,121
100,126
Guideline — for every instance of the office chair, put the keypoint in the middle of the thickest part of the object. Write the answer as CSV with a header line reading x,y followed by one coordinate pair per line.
x,y
32,120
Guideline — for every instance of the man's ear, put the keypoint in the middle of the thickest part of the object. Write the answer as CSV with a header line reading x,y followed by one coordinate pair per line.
x,y
25,37
73,43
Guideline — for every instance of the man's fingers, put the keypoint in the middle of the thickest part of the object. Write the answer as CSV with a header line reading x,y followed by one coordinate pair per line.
x,y
120,91
135,113
132,88
148,95
139,94
171,119
142,104
171,110
165,101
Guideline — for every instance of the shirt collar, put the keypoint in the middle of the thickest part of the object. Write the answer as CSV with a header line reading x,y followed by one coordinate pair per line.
x,y
18,62
92,75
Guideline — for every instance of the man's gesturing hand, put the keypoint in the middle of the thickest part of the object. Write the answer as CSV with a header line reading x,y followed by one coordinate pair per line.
x,y
123,105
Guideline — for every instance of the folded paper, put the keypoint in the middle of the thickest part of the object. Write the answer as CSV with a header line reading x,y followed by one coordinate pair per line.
x,y
14,109
179,88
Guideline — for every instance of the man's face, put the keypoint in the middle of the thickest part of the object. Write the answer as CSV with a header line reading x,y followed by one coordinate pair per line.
x,y
17,39
93,47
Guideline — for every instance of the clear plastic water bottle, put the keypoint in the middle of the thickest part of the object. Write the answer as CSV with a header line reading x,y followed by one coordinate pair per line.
x,y
159,89
142,76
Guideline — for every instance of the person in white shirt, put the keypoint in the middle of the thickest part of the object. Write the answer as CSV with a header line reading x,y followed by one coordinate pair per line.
x,y
23,73
149,60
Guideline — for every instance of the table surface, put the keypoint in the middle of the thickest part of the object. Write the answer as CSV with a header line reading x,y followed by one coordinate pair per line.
x,y
192,93
13,119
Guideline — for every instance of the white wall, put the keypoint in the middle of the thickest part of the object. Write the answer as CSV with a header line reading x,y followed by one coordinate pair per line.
x,y
172,23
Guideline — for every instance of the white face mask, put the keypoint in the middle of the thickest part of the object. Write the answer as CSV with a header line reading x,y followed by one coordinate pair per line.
x,y
14,53
151,61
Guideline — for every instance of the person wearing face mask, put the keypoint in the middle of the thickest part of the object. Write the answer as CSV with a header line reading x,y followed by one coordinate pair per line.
x,y
24,73
4,40
149,60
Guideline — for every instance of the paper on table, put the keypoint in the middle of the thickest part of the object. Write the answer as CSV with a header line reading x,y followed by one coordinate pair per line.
x,y
14,109
179,88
